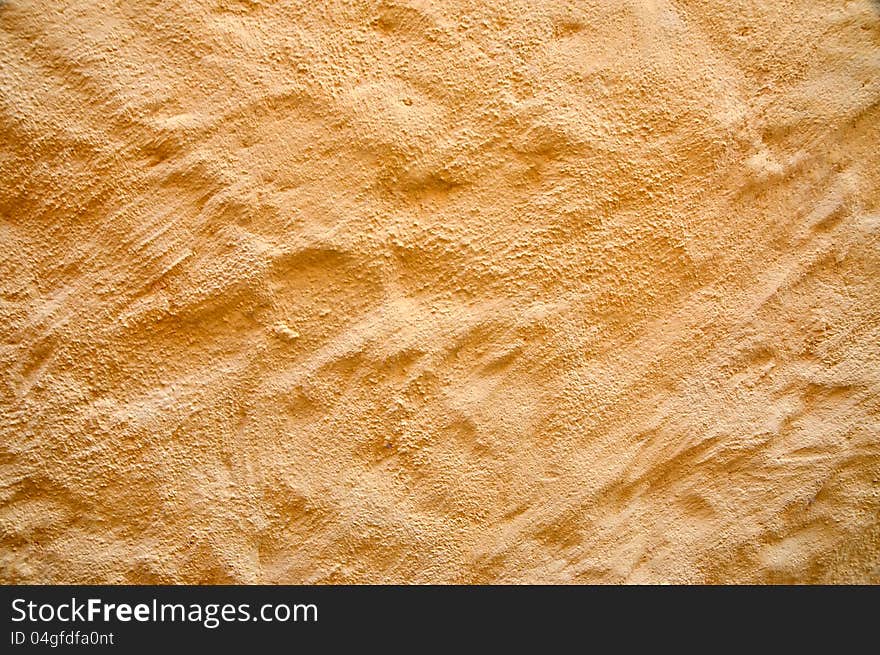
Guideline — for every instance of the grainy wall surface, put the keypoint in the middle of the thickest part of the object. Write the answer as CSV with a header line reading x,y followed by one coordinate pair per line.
x,y
475,291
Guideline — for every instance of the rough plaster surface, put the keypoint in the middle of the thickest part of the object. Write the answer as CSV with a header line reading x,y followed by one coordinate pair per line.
x,y
507,291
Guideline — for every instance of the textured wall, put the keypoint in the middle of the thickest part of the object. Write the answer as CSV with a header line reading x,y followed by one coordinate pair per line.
x,y
415,291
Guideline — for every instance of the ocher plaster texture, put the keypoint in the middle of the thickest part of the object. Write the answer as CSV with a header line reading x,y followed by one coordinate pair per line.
x,y
475,291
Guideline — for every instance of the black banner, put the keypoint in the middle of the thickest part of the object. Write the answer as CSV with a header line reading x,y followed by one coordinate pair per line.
x,y
134,618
